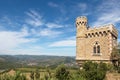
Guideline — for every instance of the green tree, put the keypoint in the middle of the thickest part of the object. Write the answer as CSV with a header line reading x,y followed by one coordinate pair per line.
x,y
89,65
102,66
37,74
46,77
62,73
17,76
79,75
49,72
115,56
119,64
32,75
93,71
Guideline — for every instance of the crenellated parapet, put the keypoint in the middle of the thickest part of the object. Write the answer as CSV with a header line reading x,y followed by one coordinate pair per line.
x,y
82,20
101,31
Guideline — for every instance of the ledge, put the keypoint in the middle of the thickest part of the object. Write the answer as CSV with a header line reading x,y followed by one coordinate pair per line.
x,y
96,54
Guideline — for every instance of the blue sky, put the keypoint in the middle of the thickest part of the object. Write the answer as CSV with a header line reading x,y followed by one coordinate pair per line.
x,y
47,27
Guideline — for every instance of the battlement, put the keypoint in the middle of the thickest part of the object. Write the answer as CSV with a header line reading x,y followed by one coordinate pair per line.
x,y
102,30
82,20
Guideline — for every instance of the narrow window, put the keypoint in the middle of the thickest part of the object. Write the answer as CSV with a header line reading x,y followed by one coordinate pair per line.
x,y
94,49
98,49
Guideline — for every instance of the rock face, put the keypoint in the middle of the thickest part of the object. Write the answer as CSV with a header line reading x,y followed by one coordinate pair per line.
x,y
94,44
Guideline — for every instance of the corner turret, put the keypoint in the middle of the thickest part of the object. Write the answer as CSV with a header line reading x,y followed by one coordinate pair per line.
x,y
81,21
81,25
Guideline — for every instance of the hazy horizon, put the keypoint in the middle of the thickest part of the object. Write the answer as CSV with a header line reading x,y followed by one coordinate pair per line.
x,y
34,55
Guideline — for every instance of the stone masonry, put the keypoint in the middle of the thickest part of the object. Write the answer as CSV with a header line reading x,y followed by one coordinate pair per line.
x,y
94,44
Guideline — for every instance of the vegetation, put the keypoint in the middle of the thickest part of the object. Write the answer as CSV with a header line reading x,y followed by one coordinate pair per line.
x,y
115,57
37,74
94,71
32,75
32,61
62,73
91,71
17,76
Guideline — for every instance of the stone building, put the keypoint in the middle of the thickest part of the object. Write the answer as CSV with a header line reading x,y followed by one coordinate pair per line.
x,y
94,44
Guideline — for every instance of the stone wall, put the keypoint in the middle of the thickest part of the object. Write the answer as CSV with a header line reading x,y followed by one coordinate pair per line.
x,y
87,38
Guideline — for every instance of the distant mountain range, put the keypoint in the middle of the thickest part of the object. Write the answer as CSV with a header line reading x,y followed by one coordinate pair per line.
x,y
14,61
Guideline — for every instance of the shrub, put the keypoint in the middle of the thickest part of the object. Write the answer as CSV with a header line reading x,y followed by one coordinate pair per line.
x,y
77,77
102,66
49,72
89,66
62,73
46,77
119,69
32,75
37,74
110,67
94,71
17,76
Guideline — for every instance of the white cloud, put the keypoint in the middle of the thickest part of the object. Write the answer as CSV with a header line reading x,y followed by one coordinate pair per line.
x,y
59,7
108,18
10,40
52,4
108,12
21,52
68,42
33,31
49,32
72,38
82,6
24,30
36,52
63,43
54,25
34,23
6,21
35,19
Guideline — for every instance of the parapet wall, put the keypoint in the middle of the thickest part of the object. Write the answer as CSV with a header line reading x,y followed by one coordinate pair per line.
x,y
102,31
82,20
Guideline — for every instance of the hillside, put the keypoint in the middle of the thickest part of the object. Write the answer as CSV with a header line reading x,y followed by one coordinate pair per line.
x,y
13,61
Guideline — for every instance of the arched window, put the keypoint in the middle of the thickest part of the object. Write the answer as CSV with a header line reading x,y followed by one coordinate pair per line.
x,y
96,48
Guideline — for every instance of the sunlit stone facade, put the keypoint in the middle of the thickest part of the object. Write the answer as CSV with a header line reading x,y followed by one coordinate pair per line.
x,y
94,44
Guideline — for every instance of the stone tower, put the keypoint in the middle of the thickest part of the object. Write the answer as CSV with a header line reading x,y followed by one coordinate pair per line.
x,y
94,44
81,25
